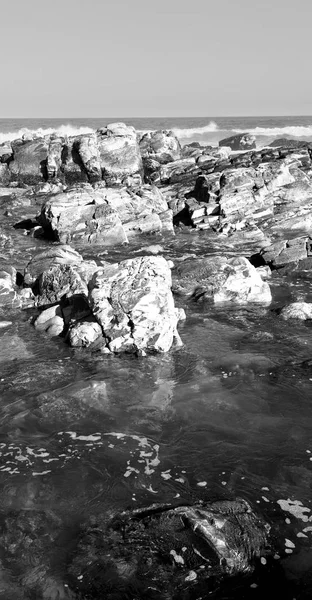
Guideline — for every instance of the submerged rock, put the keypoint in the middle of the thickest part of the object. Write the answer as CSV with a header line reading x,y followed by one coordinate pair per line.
x,y
167,552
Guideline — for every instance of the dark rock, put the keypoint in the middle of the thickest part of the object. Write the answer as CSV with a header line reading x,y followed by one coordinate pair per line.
x,y
159,551
29,164
241,141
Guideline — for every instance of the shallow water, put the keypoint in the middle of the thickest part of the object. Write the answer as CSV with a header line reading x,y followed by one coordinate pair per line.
x,y
226,415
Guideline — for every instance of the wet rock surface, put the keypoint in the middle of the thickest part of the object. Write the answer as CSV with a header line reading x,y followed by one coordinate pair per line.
x,y
165,552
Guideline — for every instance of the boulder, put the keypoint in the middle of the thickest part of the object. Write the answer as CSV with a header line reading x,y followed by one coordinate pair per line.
x,y
50,321
84,334
297,310
221,279
162,146
118,152
241,141
29,164
133,303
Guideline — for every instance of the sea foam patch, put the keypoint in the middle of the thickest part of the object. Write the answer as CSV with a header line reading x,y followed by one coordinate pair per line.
x,y
18,459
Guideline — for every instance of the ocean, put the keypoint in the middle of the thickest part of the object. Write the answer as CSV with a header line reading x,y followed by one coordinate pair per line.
x,y
206,130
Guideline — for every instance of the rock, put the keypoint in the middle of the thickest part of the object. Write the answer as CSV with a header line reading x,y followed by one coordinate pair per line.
x,y
241,141
29,164
162,146
7,286
168,545
82,335
106,216
90,156
6,152
5,174
133,303
50,321
71,168
118,152
177,170
57,255
60,282
286,251
287,143
297,310
54,158
222,280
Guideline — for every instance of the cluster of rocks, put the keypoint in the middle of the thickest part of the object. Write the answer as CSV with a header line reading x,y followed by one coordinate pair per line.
x,y
110,186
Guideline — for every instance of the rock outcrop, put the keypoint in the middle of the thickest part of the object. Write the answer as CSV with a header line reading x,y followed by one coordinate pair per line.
x,y
106,216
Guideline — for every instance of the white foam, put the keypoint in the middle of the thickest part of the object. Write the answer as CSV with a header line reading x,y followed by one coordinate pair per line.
x,y
190,132
62,130
293,130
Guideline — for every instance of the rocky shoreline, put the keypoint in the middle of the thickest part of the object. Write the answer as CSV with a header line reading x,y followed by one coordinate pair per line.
x,y
102,193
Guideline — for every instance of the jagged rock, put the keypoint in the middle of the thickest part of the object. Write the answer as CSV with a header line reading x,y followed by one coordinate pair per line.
x,y
54,158
221,279
72,171
57,255
30,158
119,153
241,141
286,251
90,156
162,146
175,171
62,281
297,310
105,216
133,303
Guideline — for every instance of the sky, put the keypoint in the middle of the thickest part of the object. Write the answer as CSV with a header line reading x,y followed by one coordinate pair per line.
x,y
141,58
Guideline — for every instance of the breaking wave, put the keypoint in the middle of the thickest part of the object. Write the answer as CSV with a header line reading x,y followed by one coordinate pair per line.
x,y
62,130
293,130
190,132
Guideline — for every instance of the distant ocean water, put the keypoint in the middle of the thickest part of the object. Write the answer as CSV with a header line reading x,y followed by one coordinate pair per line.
x,y
206,130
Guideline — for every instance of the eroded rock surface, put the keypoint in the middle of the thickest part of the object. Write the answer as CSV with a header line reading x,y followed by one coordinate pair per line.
x,y
166,552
